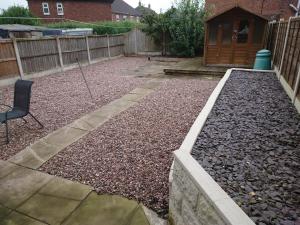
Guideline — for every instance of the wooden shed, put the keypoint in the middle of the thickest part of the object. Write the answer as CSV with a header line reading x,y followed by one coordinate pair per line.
x,y
233,37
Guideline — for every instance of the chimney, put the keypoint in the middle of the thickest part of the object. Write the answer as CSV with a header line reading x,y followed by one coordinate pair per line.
x,y
140,3
149,6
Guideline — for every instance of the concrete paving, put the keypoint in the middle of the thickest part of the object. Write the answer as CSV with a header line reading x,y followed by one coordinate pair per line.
x,y
34,198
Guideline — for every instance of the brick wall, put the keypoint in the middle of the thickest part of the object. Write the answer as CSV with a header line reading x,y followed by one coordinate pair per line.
x,y
272,9
87,11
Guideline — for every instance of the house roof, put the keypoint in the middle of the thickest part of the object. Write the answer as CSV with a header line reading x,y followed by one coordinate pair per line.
x,y
119,6
144,10
234,7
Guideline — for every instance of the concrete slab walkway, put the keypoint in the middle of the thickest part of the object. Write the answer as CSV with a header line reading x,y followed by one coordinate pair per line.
x,y
34,198
42,150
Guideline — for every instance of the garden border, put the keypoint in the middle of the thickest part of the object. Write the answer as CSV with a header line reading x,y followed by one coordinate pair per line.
x,y
195,198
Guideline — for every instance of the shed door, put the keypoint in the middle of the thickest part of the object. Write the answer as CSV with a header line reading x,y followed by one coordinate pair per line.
x,y
240,39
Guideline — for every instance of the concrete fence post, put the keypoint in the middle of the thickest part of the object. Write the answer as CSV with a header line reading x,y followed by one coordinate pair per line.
x,y
19,62
108,45
284,48
60,54
88,49
135,40
297,84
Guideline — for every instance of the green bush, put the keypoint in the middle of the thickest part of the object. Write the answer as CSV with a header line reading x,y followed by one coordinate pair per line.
x,y
182,27
99,28
18,11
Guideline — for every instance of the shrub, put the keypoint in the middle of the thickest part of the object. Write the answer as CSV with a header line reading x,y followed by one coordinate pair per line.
x,y
18,11
99,28
183,25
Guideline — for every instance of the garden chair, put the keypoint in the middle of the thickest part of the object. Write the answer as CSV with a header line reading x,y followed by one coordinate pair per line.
x,y
21,105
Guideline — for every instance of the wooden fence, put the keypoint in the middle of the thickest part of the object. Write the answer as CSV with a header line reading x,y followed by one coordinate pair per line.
x,y
283,40
137,42
27,56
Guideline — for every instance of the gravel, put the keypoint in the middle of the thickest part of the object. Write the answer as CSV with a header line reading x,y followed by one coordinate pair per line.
x,y
250,145
131,154
59,99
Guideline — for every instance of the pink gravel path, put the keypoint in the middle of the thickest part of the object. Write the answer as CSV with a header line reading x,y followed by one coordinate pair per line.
x,y
131,154
59,99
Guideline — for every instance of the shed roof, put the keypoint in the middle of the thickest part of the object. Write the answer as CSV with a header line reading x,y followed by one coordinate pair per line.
x,y
234,7
119,6
20,27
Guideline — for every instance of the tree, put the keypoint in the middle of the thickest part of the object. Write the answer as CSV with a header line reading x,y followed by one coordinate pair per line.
x,y
18,11
183,25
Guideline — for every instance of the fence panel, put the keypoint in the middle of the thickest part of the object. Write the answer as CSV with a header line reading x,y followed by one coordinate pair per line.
x,y
280,44
137,41
8,62
38,54
98,47
292,53
116,45
73,48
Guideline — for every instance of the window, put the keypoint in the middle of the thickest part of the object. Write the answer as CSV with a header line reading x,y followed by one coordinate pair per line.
x,y
242,35
258,34
60,9
213,33
46,9
117,17
226,33
124,17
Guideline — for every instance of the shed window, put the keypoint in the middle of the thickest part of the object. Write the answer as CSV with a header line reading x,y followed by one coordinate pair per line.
x,y
226,33
46,10
213,33
117,17
242,36
258,31
60,9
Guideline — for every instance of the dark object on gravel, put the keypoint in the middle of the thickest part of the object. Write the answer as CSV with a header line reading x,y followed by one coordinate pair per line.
x,y
21,105
250,145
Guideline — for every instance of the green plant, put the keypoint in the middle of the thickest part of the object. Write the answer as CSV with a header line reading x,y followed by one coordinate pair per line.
x,y
99,28
183,25
18,11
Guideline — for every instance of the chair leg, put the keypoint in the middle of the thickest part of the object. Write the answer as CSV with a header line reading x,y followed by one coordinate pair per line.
x,y
25,121
41,125
7,133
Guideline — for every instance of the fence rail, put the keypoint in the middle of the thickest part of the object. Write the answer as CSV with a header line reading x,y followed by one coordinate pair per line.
x,y
283,40
27,55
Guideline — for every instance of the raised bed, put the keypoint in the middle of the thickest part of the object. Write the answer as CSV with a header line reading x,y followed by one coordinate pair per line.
x,y
239,163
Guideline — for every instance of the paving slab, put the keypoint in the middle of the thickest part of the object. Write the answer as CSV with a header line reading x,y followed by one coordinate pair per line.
x,y
4,212
133,97
35,155
153,217
66,189
106,209
51,209
16,218
65,136
144,91
90,121
6,168
20,185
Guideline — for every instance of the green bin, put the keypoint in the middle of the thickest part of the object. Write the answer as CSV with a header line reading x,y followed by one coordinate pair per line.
x,y
263,60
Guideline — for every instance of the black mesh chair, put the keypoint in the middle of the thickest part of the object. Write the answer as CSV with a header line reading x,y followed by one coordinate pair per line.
x,y
21,105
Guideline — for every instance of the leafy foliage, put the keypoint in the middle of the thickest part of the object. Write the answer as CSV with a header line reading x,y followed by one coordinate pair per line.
x,y
99,28
183,25
18,11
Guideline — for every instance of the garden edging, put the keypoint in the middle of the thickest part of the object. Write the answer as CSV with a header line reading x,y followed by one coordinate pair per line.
x,y
195,198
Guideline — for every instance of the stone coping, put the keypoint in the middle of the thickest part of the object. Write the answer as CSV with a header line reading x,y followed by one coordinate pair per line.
x,y
227,209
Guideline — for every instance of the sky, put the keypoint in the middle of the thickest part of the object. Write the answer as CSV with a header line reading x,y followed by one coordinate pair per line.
x,y
155,4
